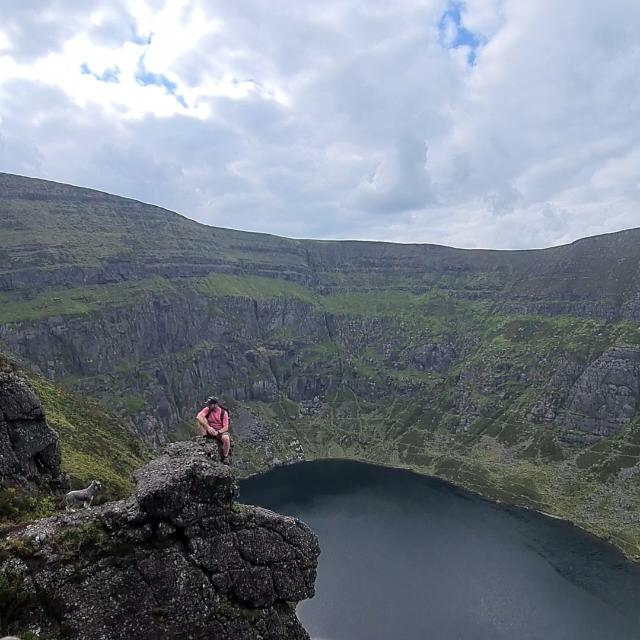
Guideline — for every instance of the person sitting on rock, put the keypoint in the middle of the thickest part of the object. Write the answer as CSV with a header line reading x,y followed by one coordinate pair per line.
x,y
213,422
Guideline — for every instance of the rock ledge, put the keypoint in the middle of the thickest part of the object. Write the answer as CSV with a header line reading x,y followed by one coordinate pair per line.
x,y
177,560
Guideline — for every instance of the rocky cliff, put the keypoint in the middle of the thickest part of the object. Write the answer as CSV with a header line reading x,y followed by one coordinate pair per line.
x,y
179,559
51,438
29,449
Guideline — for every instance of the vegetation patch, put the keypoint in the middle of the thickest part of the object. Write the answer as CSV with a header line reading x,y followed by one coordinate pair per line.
x,y
135,404
13,596
219,285
18,505
225,608
27,306
71,543
95,446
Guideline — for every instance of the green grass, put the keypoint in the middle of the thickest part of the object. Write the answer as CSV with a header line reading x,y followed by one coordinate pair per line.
x,y
95,446
17,307
435,308
79,301
135,404
18,505
254,287
69,543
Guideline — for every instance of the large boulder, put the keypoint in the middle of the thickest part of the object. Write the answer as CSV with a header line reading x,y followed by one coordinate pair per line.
x,y
29,448
178,560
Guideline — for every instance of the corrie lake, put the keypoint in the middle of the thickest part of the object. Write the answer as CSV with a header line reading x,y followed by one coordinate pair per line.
x,y
410,557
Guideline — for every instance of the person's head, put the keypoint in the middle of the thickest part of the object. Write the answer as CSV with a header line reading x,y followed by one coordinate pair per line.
x,y
212,401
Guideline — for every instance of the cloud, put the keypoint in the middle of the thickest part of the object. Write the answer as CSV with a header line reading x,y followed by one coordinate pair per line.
x,y
36,28
400,181
480,123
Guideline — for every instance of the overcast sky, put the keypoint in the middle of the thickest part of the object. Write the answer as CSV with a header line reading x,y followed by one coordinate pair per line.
x,y
479,123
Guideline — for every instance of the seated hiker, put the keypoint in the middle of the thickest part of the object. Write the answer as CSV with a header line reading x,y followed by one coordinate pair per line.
x,y
213,422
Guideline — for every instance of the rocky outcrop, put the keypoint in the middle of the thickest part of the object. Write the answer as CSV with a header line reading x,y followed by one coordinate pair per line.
x,y
29,448
607,394
178,560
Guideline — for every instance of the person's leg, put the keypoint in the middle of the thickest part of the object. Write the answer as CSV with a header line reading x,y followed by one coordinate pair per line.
x,y
226,444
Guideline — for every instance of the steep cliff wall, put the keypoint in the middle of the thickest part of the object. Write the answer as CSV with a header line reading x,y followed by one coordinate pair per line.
x,y
154,360
180,559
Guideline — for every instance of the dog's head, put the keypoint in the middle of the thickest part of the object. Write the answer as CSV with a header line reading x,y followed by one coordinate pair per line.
x,y
96,484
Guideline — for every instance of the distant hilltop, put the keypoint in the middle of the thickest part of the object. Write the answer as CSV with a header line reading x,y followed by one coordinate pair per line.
x,y
61,235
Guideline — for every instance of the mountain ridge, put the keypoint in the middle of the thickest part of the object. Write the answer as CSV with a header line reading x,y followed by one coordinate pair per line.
x,y
46,243
75,188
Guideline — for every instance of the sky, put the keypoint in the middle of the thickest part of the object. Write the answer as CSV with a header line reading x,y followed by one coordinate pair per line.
x,y
471,123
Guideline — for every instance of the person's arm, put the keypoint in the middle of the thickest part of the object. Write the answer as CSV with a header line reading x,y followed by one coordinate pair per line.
x,y
203,423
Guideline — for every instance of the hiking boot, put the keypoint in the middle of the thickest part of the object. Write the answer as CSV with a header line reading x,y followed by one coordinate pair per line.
x,y
225,460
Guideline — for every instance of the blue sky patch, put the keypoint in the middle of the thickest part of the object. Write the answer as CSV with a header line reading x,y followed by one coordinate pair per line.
x,y
110,75
144,78
450,20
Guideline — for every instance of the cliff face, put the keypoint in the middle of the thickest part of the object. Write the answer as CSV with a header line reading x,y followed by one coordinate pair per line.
x,y
606,395
29,448
170,352
179,559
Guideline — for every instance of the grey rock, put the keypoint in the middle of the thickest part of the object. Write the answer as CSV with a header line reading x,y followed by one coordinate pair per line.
x,y
179,559
29,449
607,394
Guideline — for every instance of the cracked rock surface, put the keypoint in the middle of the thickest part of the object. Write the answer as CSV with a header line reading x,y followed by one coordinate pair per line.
x,y
178,560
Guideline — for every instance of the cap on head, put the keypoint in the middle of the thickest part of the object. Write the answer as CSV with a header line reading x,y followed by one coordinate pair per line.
x,y
212,400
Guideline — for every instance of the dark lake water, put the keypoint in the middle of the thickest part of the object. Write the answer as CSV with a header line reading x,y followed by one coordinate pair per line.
x,y
405,556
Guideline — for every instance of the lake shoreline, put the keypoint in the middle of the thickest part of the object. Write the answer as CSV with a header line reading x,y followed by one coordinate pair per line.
x,y
634,558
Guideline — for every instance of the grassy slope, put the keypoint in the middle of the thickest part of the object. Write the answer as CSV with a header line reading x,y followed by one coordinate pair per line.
x,y
94,446
49,226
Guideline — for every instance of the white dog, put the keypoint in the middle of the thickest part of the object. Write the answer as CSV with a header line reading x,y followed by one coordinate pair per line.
x,y
82,496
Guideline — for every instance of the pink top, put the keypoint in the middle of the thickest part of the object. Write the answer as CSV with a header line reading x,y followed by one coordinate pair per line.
x,y
216,418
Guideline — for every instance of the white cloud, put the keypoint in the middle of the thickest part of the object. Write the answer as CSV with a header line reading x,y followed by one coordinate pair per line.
x,y
484,17
336,119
